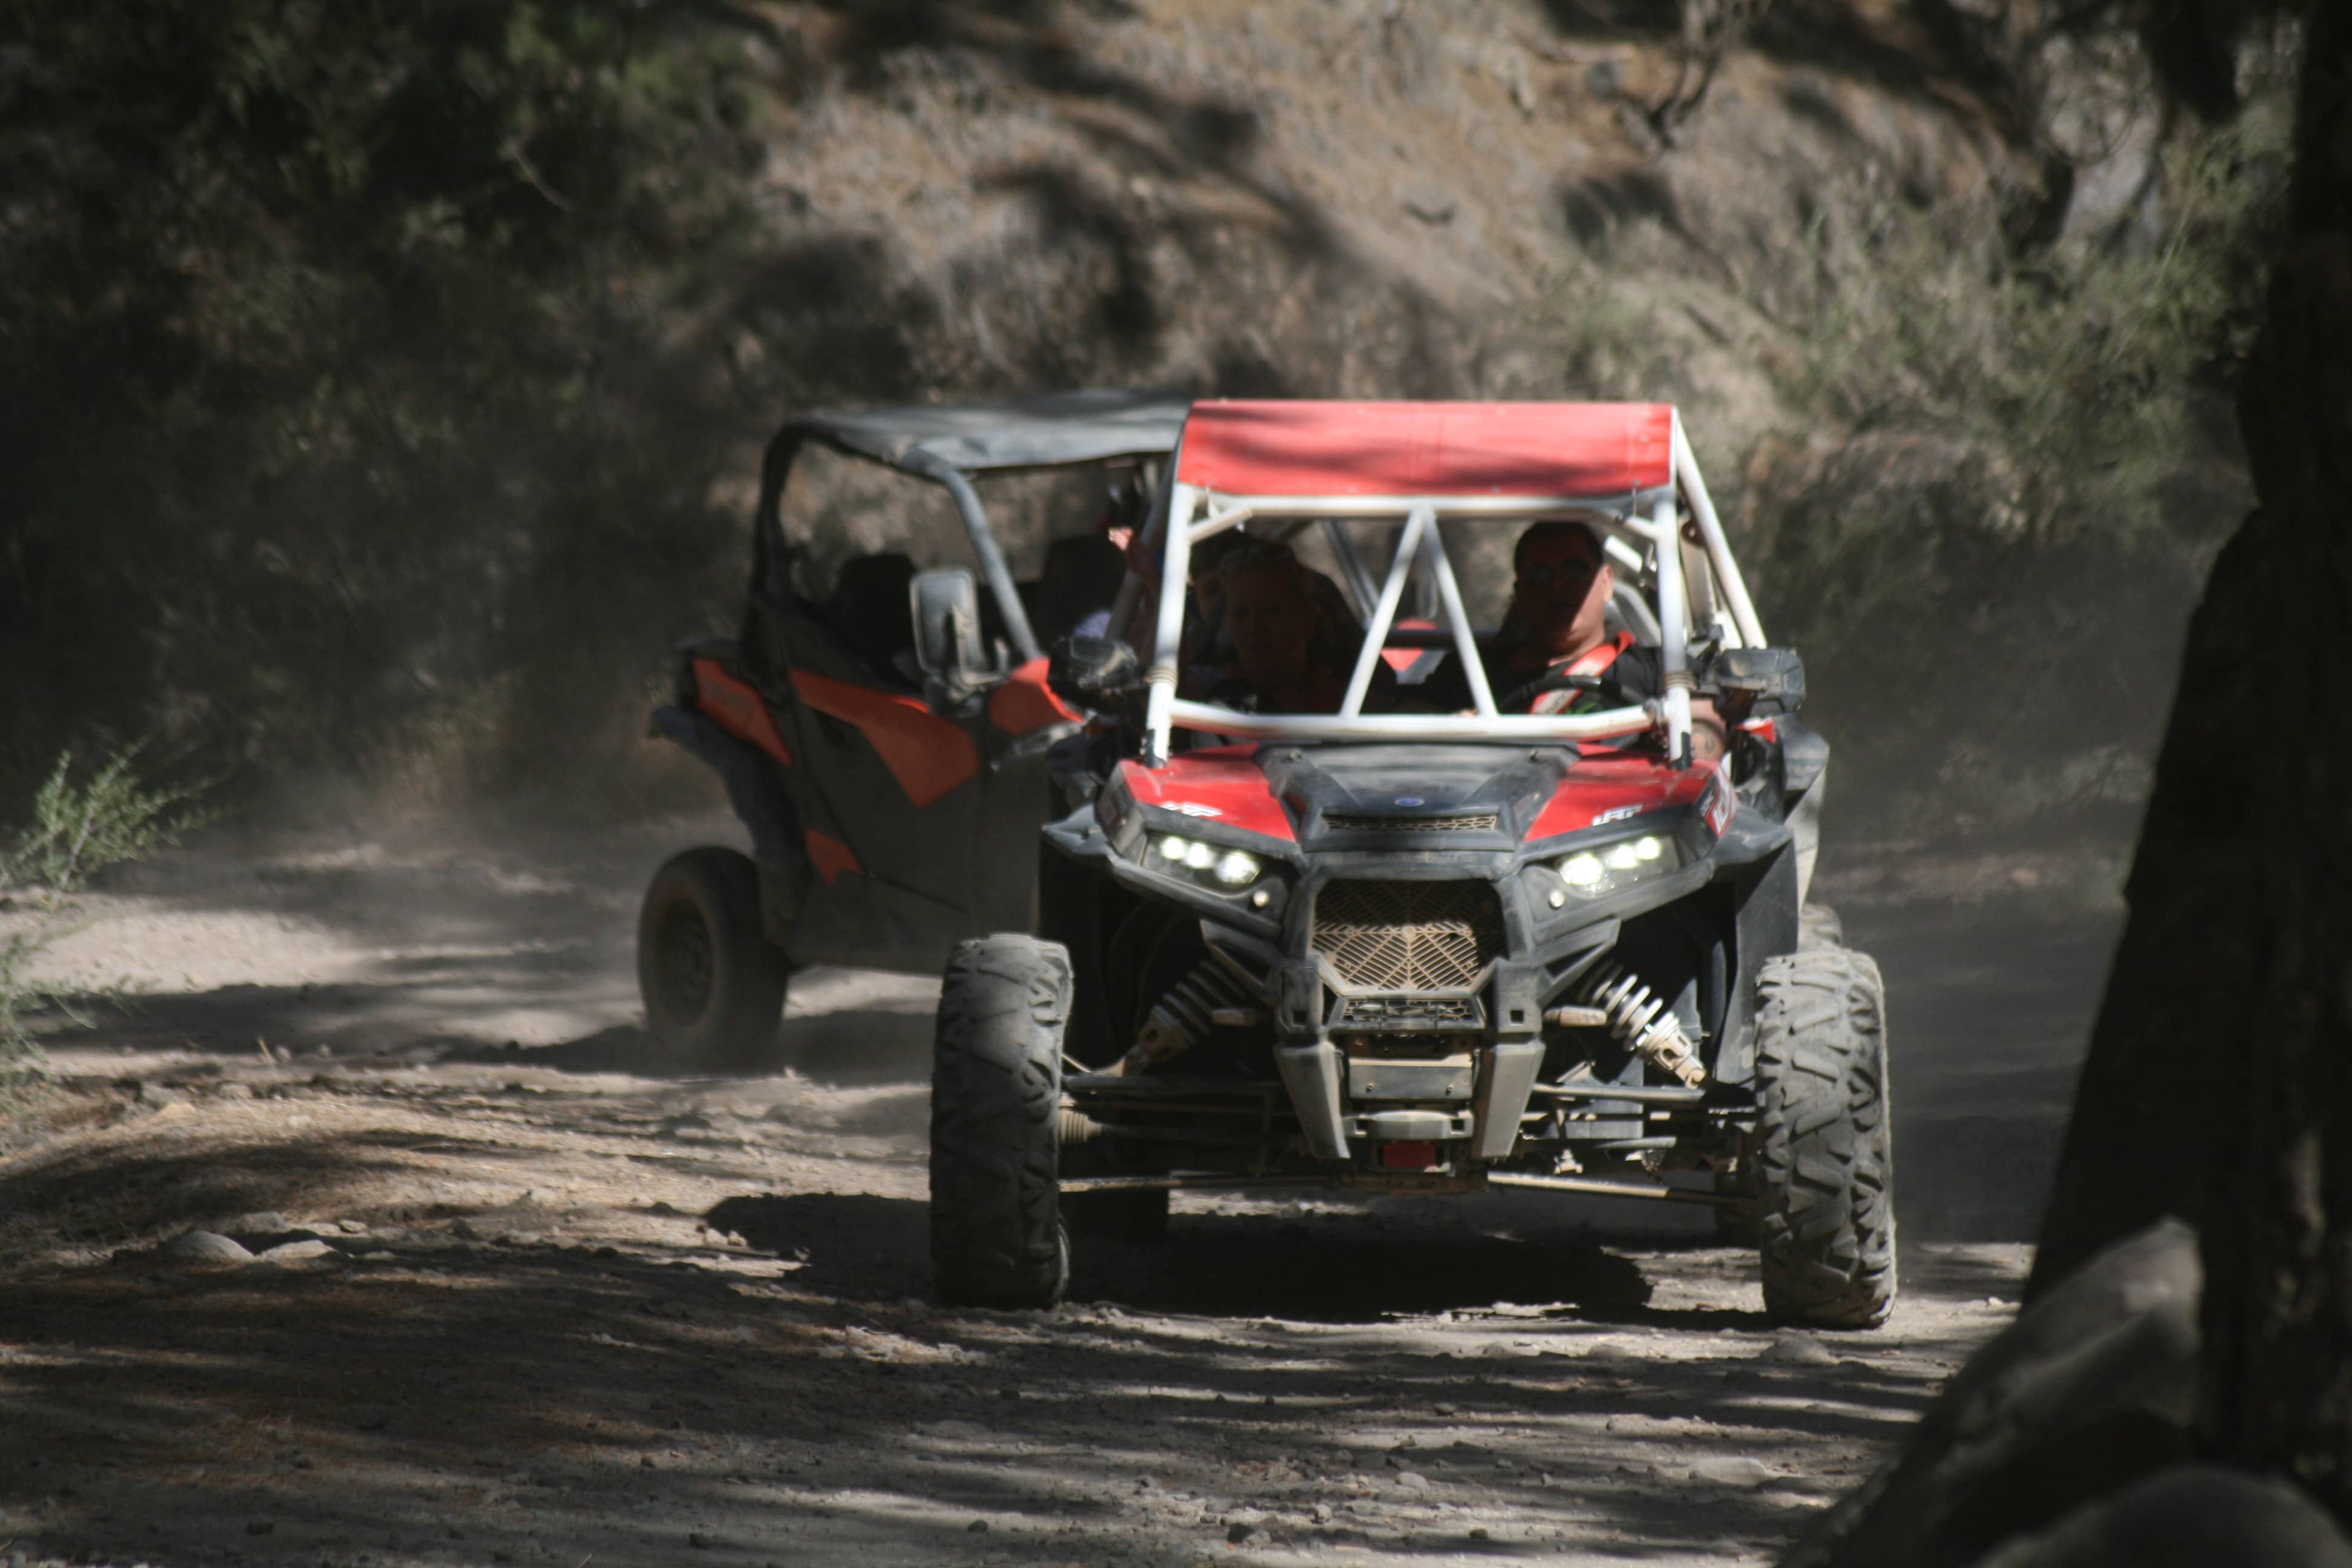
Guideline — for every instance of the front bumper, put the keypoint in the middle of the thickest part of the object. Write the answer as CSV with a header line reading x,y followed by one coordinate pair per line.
x,y
1403,1069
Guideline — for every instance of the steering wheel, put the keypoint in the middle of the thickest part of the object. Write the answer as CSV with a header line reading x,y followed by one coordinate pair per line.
x,y
1522,697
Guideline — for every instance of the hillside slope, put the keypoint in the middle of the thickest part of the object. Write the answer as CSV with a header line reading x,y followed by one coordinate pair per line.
x,y
389,387
1444,199
1934,440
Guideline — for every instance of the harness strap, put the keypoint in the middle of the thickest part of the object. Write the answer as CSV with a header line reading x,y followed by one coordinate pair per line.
x,y
1591,661
1601,656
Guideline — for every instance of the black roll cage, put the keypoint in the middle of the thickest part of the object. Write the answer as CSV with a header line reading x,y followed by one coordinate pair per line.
x,y
948,444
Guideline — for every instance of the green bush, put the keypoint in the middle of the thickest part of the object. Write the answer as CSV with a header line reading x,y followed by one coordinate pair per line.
x,y
75,830
340,345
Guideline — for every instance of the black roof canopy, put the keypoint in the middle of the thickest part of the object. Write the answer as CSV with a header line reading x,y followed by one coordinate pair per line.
x,y
1039,431
949,443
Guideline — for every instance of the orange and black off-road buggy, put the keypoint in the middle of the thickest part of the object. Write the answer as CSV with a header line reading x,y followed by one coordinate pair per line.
x,y
885,743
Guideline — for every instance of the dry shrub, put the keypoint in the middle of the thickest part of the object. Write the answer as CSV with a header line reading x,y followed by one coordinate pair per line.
x,y
75,829
2016,474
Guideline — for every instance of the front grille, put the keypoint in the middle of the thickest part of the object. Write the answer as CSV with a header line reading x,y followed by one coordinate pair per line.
x,y
1474,822
1408,936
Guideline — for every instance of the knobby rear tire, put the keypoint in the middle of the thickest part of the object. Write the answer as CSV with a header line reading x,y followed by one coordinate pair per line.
x,y
997,1238
1824,1176
713,985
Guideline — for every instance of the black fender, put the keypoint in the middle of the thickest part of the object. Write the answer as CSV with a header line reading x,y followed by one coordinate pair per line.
x,y
753,791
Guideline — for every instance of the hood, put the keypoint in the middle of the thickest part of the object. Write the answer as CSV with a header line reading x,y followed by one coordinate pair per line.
x,y
1358,797
1486,795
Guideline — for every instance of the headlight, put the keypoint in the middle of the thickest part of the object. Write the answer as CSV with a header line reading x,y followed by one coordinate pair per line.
x,y
1228,871
1591,873
1238,867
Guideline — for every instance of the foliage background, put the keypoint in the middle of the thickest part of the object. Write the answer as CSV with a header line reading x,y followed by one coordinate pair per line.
x,y
347,400
386,379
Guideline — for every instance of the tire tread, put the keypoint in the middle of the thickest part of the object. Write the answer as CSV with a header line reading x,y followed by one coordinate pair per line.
x,y
997,1238
1824,1146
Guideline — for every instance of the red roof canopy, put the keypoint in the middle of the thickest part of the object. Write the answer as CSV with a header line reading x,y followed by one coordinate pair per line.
x,y
1588,450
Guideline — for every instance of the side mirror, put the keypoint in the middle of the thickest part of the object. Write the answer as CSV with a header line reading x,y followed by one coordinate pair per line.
x,y
1099,675
946,606
1770,679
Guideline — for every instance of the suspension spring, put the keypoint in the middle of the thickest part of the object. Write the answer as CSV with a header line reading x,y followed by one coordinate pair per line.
x,y
1180,1018
1642,1022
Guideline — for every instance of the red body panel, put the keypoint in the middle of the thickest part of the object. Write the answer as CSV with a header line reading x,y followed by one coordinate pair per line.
x,y
1285,448
927,755
735,708
1223,786
1024,703
1612,788
831,856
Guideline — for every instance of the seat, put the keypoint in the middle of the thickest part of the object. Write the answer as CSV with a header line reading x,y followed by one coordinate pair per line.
x,y
1081,575
870,612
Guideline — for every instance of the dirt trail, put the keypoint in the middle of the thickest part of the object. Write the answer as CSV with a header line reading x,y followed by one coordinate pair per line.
x,y
556,1311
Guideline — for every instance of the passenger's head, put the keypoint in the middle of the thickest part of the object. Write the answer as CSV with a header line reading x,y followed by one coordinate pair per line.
x,y
1561,586
1271,613
1207,569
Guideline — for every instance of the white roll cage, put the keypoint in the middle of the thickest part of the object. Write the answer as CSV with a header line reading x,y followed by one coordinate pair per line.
x,y
1650,516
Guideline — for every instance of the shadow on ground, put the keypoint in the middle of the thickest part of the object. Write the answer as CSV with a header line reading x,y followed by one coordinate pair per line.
x,y
545,1403
1337,1269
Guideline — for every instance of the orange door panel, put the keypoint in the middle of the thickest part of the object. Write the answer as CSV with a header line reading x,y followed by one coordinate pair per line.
x,y
831,856
927,755
736,708
1024,702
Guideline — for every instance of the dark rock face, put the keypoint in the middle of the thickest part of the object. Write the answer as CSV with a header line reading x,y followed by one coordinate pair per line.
x,y
2219,1084
2189,1516
2091,1387
2280,1393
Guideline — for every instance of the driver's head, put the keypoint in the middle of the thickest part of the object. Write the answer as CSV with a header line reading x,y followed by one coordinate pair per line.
x,y
1560,586
1270,612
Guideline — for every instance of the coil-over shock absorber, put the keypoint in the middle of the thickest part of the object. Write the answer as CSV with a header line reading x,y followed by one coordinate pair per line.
x,y
1180,1018
1614,999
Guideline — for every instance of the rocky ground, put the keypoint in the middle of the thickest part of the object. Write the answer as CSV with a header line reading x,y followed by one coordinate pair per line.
x,y
486,1291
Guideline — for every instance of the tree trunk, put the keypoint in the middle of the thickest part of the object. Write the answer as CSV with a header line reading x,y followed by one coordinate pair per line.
x,y
2218,1083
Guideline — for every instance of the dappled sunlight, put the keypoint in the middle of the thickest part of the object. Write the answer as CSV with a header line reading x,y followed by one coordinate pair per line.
x,y
572,1304
581,1372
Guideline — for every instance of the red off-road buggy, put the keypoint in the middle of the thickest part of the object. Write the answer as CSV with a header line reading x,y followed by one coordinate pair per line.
x,y
1424,950
885,741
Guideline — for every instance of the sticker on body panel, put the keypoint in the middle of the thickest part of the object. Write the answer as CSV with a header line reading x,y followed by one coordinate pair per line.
x,y
1722,800
1605,789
